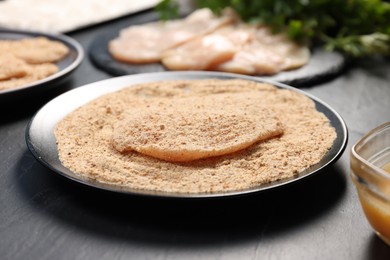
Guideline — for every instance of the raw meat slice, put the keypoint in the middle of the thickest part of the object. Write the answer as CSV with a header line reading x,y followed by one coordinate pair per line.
x,y
207,51
145,43
187,129
266,54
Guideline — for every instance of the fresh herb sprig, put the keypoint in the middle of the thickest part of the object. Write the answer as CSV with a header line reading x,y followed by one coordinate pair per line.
x,y
357,28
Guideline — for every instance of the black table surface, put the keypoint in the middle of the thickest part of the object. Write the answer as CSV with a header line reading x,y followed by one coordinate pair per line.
x,y
44,216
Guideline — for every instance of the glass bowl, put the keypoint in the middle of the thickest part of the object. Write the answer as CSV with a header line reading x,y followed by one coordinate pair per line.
x,y
370,172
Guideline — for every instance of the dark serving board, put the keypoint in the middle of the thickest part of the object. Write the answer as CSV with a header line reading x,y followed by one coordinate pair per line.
x,y
323,65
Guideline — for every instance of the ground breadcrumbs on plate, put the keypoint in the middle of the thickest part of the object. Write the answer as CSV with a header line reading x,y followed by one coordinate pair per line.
x,y
84,139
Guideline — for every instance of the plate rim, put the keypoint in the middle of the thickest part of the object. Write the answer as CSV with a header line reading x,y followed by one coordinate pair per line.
x,y
58,75
147,77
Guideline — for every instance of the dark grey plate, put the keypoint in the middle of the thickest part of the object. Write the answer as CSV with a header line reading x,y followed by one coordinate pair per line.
x,y
41,141
66,65
323,65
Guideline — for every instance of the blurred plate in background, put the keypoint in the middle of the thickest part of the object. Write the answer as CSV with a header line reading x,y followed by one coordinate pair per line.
x,y
66,66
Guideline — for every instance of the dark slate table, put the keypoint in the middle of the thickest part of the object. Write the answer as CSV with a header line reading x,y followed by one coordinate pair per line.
x,y
44,216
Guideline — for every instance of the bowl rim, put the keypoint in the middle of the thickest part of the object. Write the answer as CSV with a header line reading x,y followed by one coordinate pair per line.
x,y
366,137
